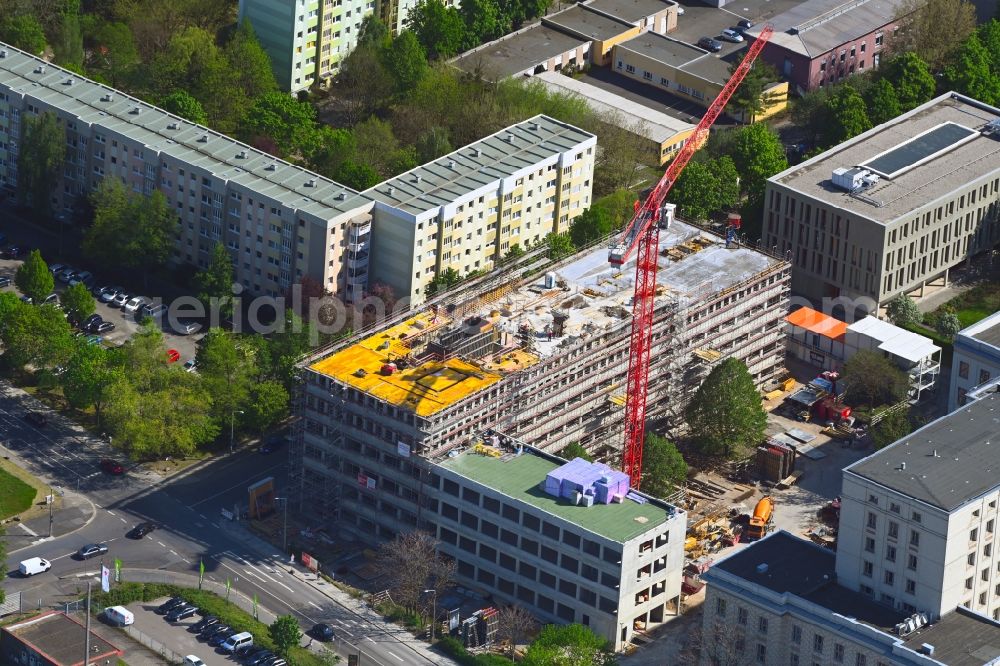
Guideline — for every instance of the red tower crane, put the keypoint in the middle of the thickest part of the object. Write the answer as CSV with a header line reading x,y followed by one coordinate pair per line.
x,y
641,237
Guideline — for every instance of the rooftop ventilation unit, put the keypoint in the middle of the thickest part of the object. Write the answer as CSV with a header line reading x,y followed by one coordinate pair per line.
x,y
270,167
340,196
534,127
451,164
762,568
391,190
108,97
311,182
203,138
242,155
40,69
68,82
854,179
509,138
136,110
3,53
476,152
992,128
416,178
172,126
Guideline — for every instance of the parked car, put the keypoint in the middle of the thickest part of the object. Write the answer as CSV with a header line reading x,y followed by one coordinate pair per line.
x,y
92,550
169,605
187,327
83,277
247,652
109,294
190,365
204,623
15,252
192,660
710,44
51,298
92,320
67,274
258,657
236,641
33,565
181,613
120,299
141,530
746,24
109,466
135,303
119,615
4,281
155,311
732,35
36,419
100,289
56,269
221,635
680,10
322,632
105,327
272,444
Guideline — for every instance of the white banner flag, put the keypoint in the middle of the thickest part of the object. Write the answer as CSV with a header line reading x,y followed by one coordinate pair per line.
x,y
105,578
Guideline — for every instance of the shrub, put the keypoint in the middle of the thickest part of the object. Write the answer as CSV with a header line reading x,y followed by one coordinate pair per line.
x,y
128,593
230,614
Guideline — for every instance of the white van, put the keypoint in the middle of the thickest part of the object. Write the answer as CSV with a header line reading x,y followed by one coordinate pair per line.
x,y
34,565
233,643
119,615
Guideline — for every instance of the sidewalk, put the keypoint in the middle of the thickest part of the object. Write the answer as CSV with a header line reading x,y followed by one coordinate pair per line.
x,y
335,594
76,512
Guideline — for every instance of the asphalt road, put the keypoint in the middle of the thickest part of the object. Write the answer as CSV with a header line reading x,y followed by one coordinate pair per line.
x,y
191,530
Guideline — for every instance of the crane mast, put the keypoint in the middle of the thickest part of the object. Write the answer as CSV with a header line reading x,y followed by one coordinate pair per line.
x,y
641,238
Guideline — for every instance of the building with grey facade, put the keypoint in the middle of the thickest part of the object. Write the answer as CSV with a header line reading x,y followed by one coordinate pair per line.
x,y
614,567
976,359
779,602
893,209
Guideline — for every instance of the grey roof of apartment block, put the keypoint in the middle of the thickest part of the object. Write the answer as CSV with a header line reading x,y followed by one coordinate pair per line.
x,y
200,146
630,10
580,20
960,638
946,463
681,55
799,567
466,170
898,196
815,27
518,52
986,330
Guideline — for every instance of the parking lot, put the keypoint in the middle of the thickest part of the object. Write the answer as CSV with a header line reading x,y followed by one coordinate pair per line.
x,y
176,636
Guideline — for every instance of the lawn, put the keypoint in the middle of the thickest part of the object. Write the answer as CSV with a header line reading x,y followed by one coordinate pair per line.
x,y
16,496
978,303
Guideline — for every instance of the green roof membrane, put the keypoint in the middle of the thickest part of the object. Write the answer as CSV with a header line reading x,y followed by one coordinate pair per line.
x,y
523,477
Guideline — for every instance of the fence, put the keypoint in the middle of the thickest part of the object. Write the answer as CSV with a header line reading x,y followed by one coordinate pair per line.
x,y
12,604
153,644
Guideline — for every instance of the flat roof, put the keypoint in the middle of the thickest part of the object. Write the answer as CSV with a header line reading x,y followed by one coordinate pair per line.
x,y
632,11
960,638
946,463
895,340
195,144
985,330
898,197
817,322
500,155
522,477
799,567
424,388
656,125
818,26
522,51
61,638
580,20
680,55
919,149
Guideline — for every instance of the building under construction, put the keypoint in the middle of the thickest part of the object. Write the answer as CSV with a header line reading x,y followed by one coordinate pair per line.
x,y
542,360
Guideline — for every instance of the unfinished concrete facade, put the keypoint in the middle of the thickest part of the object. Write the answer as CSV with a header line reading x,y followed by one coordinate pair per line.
x,y
544,361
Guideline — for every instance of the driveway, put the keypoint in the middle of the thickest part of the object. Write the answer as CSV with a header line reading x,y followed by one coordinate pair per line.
x,y
174,636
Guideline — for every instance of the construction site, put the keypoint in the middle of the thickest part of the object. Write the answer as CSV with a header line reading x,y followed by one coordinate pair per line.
x,y
543,360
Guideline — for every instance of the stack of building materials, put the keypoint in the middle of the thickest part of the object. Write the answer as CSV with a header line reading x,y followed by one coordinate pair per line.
x,y
583,482
480,629
775,461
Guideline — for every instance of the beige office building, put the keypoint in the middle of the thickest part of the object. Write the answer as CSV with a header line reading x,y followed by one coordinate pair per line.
x,y
893,209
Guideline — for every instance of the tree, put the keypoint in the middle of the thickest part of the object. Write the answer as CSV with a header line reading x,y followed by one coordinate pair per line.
x,y
113,54
33,335
89,374
912,79
215,281
357,176
373,32
375,144
249,63
279,116
971,72
725,414
872,379
560,245
484,22
902,311
40,161
933,29
619,155
514,252
589,226
696,191
225,374
723,645
24,32
438,28
750,98
514,624
893,427
663,466
882,102
284,631
574,450
333,147
847,116
410,564
406,61
77,302
266,406
363,84
67,41
758,154
444,280
34,278
182,104
568,645
287,345
433,143
948,325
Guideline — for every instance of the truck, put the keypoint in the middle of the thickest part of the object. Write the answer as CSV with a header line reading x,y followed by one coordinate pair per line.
x,y
34,565
760,521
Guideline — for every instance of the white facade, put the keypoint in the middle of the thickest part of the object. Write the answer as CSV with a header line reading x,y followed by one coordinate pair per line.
x,y
976,360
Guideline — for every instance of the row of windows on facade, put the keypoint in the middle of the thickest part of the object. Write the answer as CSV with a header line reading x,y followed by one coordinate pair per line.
x,y
819,641
963,372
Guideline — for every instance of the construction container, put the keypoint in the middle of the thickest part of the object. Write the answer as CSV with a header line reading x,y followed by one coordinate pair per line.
x,y
774,461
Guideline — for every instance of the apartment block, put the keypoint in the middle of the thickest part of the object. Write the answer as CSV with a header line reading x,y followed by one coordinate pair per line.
x,y
925,517
306,39
779,602
543,359
893,209
464,211
976,359
611,561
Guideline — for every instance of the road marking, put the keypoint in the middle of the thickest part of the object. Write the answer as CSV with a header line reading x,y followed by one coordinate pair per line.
x,y
315,606
28,529
161,544
174,553
203,516
369,638
241,484
392,654
123,520
186,560
111,513
62,556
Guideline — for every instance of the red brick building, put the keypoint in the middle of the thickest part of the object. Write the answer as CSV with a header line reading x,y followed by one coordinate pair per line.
x,y
820,42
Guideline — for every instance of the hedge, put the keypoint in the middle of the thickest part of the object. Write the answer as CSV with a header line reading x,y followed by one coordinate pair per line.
x,y
128,593
457,651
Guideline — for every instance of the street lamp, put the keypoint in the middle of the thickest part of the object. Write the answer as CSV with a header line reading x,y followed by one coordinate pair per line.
x,y
433,611
284,527
232,426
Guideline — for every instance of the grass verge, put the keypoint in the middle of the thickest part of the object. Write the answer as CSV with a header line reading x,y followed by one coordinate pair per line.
x,y
17,495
